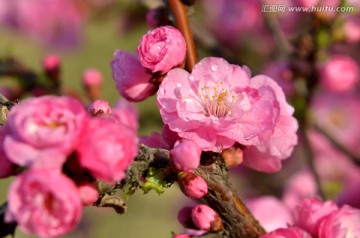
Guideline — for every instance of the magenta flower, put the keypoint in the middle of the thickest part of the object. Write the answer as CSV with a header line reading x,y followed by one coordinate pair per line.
x,y
343,223
205,218
339,73
217,104
162,49
107,150
185,156
43,131
291,232
131,79
44,203
192,185
99,107
311,212
270,221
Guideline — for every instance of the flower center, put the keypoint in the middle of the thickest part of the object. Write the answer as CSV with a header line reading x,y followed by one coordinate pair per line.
x,y
217,100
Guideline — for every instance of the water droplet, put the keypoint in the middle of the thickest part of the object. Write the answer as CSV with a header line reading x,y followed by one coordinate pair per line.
x,y
191,77
178,85
214,67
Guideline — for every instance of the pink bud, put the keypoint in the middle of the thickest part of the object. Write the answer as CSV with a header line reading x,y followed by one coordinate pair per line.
x,y
99,107
51,62
88,193
181,236
162,49
131,79
205,218
92,77
291,232
312,212
185,156
343,223
339,73
192,185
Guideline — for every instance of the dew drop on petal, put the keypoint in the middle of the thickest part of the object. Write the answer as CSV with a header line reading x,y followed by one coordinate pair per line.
x,y
214,67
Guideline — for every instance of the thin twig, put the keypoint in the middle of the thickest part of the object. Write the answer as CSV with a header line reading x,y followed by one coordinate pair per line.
x,y
179,11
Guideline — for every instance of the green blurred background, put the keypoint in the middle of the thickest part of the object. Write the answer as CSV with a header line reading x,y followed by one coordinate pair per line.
x,y
148,215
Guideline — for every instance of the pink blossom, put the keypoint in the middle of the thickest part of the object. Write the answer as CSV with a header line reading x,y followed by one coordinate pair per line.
x,y
99,107
44,203
131,79
59,25
339,73
185,156
311,212
270,221
43,131
126,113
156,140
162,49
291,232
51,62
205,218
88,193
217,104
301,186
192,185
92,78
6,166
107,150
343,223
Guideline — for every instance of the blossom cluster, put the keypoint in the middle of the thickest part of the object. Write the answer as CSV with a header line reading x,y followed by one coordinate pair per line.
x,y
57,152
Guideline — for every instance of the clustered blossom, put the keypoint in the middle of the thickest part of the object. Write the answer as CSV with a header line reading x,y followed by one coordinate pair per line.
x,y
52,138
159,51
218,105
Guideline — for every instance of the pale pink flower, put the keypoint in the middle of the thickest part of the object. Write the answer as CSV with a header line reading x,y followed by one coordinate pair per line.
x,y
44,203
162,49
99,107
343,223
192,185
311,212
205,218
339,73
300,186
59,25
126,113
43,131
131,79
291,232
107,149
185,156
217,104
260,206
88,193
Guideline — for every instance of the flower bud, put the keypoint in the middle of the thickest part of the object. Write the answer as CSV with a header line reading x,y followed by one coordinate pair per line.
x,y
311,212
51,63
162,49
131,79
339,73
88,193
205,218
185,156
181,236
99,108
92,80
192,185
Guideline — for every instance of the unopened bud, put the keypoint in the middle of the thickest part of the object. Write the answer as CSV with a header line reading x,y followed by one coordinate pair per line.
x,y
185,156
205,218
192,185
51,62
88,193
99,108
92,81
181,236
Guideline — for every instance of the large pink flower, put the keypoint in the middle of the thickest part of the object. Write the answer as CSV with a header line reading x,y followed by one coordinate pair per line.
x,y
43,131
108,148
291,232
162,49
218,104
44,202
